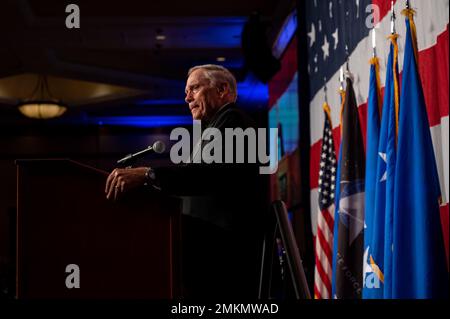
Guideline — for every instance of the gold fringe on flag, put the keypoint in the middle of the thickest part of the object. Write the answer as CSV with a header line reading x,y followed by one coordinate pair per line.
x,y
409,13
376,62
376,269
327,110
393,38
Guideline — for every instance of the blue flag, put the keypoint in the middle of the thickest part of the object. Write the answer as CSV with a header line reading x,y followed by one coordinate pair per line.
x,y
378,257
418,259
371,284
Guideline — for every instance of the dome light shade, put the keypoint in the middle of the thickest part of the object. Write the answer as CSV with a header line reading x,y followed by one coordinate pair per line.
x,y
41,104
42,110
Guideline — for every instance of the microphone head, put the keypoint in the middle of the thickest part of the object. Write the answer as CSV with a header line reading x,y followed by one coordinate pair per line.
x,y
158,147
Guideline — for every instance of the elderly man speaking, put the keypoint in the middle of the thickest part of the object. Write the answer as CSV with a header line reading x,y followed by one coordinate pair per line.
x,y
224,205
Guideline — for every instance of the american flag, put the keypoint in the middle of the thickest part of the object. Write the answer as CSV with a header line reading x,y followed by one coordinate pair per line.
x,y
325,217
337,30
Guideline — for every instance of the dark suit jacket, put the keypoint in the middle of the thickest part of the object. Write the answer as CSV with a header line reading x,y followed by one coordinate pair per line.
x,y
224,210
223,194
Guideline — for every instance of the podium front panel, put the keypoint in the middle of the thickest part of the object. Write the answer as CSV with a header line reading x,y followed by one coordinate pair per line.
x,y
123,249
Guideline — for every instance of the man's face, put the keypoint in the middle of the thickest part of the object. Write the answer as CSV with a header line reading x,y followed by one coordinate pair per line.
x,y
203,100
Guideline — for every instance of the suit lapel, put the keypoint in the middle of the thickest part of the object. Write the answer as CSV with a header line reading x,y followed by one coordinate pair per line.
x,y
197,149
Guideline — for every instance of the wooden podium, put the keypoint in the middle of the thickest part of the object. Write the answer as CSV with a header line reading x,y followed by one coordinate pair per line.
x,y
124,249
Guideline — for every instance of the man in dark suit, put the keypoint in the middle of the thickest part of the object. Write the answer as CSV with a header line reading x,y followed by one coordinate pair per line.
x,y
224,203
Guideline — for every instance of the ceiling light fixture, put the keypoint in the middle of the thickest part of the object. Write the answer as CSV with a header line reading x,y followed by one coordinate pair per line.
x,y
159,35
41,104
220,59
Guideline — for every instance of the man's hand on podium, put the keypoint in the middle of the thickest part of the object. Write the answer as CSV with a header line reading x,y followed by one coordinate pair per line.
x,y
122,180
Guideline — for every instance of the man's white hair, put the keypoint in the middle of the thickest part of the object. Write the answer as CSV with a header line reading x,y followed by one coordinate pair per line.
x,y
217,74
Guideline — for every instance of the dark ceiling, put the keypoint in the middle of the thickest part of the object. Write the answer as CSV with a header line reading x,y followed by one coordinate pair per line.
x,y
117,44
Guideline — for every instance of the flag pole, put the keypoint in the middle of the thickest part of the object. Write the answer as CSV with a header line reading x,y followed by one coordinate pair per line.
x,y
393,17
347,58
374,43
348,74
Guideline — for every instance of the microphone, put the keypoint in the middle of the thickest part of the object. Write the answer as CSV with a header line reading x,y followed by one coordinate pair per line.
x,y
157,147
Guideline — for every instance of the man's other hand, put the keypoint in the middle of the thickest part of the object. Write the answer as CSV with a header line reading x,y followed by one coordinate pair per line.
x,y
122,180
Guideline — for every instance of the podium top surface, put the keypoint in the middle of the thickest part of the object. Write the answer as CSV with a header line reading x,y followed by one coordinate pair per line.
x,y
55,163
